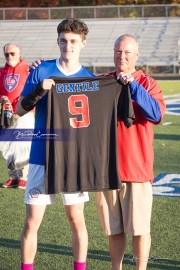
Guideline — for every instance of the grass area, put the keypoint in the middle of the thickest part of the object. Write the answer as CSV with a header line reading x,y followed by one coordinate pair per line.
x,y
54,238
167,138
170,87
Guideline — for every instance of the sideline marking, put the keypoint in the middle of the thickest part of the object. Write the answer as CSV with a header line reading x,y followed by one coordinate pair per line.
x,y
167,123
172,104
167,184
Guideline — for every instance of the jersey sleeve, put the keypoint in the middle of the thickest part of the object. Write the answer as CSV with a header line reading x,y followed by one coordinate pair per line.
x,y
125,107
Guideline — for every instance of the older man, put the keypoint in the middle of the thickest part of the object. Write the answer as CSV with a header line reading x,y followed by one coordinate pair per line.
x,y
128,210
12,79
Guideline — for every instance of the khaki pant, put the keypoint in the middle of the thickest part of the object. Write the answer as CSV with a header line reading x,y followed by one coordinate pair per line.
x,y
126,210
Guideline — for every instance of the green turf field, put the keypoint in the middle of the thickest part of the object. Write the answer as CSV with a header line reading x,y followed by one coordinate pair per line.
x,y
54,239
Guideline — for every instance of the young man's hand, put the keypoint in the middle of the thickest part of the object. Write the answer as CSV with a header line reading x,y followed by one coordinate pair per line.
x,y
47,84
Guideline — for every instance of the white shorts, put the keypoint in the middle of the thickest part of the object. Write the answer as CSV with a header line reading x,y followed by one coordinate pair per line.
x,y
35,190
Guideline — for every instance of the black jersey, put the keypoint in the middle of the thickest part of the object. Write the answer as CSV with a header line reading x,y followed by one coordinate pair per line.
x,y
83,113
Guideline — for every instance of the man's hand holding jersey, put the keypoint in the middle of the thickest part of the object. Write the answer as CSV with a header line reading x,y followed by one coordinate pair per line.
x,y
28,102
125,78
47,84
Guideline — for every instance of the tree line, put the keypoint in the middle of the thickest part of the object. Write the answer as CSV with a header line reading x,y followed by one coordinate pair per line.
x,y
66,3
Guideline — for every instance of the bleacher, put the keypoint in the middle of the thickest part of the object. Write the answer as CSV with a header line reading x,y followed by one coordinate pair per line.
x,y
158,39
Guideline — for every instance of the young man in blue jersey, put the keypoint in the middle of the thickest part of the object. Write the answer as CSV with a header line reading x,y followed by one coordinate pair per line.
x,y
71,39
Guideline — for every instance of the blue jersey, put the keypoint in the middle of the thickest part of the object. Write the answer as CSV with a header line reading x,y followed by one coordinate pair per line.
x,y
45,70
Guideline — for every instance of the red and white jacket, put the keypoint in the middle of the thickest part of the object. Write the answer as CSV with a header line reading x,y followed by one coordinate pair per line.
x,y
12,80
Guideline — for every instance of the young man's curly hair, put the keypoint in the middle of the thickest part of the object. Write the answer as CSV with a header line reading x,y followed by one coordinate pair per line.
x,y
75,26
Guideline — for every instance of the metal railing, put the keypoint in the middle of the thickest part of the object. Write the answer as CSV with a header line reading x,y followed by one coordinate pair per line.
x,y
90,12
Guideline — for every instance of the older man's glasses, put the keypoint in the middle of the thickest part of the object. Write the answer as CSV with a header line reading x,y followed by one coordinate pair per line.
x,y
10,53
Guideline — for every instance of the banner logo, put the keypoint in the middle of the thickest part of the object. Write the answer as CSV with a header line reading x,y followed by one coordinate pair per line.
x,y
11,81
